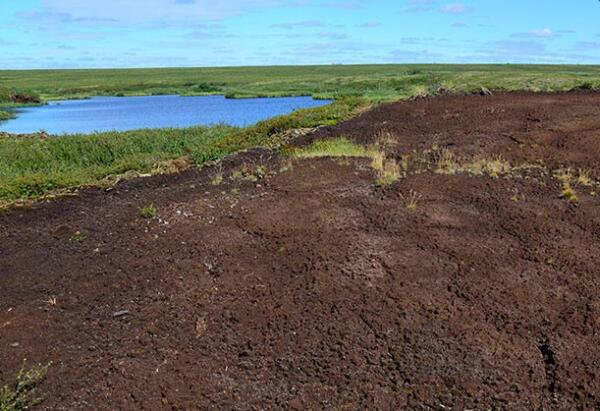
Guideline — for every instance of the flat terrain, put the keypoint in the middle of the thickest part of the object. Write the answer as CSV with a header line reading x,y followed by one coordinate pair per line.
x,y
373,82
270,282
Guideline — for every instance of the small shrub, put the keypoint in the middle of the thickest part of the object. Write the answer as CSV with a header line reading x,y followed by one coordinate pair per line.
x,y
148,211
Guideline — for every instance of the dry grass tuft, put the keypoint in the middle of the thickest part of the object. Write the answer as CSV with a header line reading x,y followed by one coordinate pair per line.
x,y
248,172
411,201
385,141
569,194
218,177
584,178
388,170
337,147
171,166
445,161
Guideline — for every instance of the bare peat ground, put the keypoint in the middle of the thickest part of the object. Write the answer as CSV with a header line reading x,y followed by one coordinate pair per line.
x,y
312,288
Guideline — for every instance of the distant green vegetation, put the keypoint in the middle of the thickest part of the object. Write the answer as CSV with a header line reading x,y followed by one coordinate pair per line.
x,y
6,115
15,98
373,82
32,167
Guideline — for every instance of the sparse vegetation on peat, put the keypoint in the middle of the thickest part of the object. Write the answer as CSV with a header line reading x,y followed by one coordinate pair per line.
x,y
387,169
22,394
319,251
148,211
338,147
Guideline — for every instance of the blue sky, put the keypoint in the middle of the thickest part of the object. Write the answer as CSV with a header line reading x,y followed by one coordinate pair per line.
x,y
157,33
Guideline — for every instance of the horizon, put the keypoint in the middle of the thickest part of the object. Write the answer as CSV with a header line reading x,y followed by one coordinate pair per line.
x,y
306,65
66,34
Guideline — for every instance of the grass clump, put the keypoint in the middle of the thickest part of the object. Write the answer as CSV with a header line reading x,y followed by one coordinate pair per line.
x,y
411,200
149,211
584,178
337,147
248,172
388,170
22,394
78,237
567,178
494,167
568,193
218,177
171,166
445,161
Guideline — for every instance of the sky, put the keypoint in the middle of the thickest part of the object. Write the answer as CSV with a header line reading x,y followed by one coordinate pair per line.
x,y
173,33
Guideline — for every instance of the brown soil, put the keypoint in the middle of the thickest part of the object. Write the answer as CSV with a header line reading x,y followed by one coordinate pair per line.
x,y
312,288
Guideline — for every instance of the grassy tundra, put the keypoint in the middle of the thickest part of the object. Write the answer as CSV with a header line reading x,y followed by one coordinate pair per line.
x,y
374,82
33,167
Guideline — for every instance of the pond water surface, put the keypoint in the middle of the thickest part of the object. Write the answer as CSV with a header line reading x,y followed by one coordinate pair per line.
x,y
130,113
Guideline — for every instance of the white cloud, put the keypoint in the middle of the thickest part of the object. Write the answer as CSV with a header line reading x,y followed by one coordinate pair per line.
x,y
152,10
545,33
456,8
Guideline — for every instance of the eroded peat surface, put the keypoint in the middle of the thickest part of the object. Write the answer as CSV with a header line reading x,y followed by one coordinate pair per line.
x,y
467,278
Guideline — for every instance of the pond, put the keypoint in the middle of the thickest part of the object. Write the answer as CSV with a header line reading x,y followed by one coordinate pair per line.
x,y
130,113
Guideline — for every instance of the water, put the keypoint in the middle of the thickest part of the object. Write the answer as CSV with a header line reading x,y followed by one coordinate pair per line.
x,y
129,113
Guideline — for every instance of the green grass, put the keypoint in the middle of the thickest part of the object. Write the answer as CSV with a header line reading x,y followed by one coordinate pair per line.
x,y
6,115
30,168
338,147
388,171
373,82
149,211
22,395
